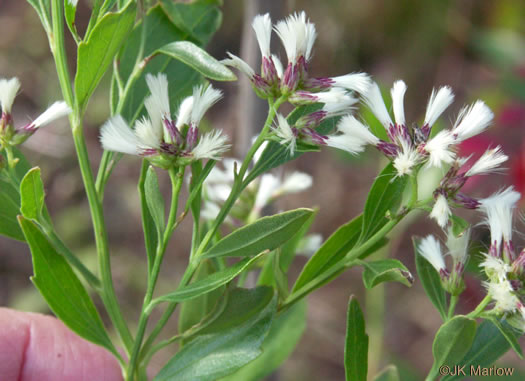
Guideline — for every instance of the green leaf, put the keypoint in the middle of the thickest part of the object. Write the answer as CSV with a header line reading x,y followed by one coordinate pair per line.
x,y
159,32
390,373
155,201
384,199
288,251
332,251
488,346
32,194
509,333
459,225
208,284
430,280
196,310
284,335
10,198
229,342
61,288
151,236
198,19
70,11
453,340
97,52
267,233
386,270
198,59
356,343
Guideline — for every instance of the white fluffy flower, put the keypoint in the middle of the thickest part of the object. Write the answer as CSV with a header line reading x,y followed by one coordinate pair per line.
x,y
55,111
405,161
374,101
472,120
430,249
503,294
239,64
437,104
203,99
499,209
398,94
458,246
211,146
285,133
353,136
184,114
278,65
118,137
262,25
439,150
359,82
8,90
210,211
495,267
488,162
148,135
158,87
297,35
441,211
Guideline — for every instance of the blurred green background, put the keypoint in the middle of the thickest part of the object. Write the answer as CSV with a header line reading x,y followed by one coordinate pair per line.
x,y
477,47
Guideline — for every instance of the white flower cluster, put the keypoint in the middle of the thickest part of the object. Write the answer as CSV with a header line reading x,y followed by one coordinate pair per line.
x,y
457,246
165,140
504,269
9,135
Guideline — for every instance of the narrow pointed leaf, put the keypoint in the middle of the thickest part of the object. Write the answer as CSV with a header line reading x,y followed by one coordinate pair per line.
x,y
70,11
61,288
208,284
154,200
267,233
356,343
384,198
333,250
386,270
97,52
32,194
198,59
229,342
430,280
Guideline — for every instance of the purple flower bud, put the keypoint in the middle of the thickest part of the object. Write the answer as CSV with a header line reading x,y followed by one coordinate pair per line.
x,y
311,120
315,136
173,131
494,250
516,284
302,68
191,138
290,79
261,86
317,84
509,254
269,72
149,152
518,266
466,201
388,149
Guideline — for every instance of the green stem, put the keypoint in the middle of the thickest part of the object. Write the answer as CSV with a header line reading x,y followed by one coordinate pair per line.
x,y
480,308
452,307
177,177
234,194
108,292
